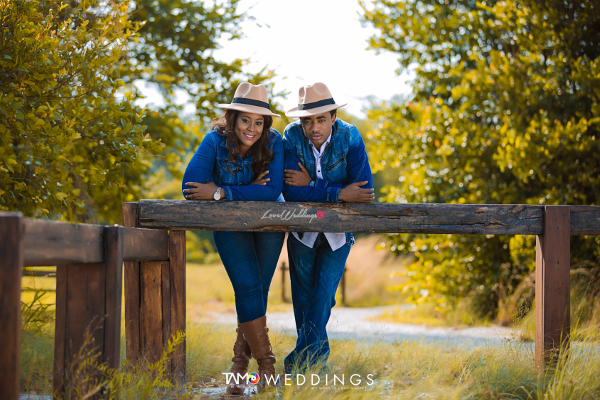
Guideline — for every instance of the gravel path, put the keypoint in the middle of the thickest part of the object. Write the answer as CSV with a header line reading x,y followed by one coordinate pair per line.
x,y
353,323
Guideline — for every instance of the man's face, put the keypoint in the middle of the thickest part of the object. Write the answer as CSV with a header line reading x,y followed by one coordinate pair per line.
x,y
317,128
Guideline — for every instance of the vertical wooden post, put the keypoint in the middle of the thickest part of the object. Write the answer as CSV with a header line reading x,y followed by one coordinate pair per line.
x,y
132,292
88,299
283,270
113,259
177,292
552,285
155,301
344,286
11,265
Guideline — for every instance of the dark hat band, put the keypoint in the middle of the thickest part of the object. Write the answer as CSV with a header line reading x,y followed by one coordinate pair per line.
x,y
316,104
251,102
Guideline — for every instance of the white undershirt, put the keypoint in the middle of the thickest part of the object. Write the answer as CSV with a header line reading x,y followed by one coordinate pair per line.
x,y
335,240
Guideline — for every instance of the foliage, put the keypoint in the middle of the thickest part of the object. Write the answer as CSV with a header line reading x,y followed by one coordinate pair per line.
x,y
65,125
505,109
75,144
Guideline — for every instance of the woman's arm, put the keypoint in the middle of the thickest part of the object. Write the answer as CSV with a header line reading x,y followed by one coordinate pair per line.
x,y
200,168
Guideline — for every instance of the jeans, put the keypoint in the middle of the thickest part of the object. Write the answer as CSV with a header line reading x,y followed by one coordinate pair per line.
x,y
314,274
250,259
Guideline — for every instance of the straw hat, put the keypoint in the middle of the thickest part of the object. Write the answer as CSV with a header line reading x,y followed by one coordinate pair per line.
x,y
250,98
312,100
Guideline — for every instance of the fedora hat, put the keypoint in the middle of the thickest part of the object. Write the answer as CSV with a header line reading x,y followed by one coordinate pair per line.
x,y
250,98
312,100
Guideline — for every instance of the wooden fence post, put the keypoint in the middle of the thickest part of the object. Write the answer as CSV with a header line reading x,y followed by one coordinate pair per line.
x,y
177,293
284,269
11,265
155,302
552,285
88,298
132,292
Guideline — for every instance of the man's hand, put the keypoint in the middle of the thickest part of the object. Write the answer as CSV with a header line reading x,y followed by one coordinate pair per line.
x,y
296,178
202,191
354,194
259,179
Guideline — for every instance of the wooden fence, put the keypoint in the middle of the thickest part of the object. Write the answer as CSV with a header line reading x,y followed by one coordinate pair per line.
x,y
89,261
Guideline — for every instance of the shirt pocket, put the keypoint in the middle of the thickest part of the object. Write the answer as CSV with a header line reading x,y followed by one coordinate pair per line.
x,y
226,176
337,171
339,163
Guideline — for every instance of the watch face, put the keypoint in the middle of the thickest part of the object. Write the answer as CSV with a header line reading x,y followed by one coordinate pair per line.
x,y
217,194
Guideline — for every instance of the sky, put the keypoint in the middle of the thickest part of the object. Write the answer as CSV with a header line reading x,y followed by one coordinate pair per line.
x,y
308,41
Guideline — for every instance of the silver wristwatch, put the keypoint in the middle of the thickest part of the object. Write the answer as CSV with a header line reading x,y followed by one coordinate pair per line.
x,y
217,194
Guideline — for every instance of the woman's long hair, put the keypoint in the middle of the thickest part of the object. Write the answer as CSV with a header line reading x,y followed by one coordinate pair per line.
x,y
225,126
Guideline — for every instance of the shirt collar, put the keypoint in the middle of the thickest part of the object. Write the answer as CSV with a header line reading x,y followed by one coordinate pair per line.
x,y
324,146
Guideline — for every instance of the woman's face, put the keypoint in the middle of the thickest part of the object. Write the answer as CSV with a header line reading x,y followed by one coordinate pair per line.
x,y
248,128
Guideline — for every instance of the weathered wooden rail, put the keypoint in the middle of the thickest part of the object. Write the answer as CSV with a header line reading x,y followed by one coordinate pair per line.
x,y
553,226
89,261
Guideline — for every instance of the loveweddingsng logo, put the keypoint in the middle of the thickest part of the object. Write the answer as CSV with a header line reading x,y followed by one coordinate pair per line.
x,y
286,215
336,380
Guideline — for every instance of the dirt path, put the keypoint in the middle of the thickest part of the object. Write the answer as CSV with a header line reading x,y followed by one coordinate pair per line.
x,y
354,323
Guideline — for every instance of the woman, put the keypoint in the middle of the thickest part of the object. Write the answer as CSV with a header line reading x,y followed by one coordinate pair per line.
x,y
242,159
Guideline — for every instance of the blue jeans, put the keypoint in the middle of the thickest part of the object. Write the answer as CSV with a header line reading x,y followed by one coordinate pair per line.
x,y
314,274
250,259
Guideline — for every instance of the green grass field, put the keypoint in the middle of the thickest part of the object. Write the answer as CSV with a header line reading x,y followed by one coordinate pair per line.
x,y
407,370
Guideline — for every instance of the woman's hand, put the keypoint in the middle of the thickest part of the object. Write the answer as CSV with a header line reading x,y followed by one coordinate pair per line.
x,y
297,178
202,191
259,179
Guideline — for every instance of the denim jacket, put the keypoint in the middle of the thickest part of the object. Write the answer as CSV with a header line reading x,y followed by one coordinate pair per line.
x,y
344,161
209,163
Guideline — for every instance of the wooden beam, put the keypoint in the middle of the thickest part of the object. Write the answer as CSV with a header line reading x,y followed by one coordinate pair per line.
x,y
585,220
177,261
552,285
145,244
113,250
11,266
132,292
60,330
52,243
151,316
505,219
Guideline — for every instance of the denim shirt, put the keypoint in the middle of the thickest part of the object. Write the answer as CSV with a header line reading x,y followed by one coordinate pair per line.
x,y
344,161
209,163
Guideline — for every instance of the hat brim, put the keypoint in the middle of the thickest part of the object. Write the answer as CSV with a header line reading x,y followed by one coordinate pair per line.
x,y
248,108
295,113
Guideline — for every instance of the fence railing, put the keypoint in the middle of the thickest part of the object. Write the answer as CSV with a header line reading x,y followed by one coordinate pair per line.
x,y
89,261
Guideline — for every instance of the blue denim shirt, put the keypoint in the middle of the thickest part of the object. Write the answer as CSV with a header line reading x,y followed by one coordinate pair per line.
x,y
209,163
344,161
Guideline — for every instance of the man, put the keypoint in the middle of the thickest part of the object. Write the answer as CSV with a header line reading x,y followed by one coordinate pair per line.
x,y
325,161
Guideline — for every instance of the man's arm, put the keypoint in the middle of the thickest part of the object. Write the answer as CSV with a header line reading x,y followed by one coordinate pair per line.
x,y
303,193
359,174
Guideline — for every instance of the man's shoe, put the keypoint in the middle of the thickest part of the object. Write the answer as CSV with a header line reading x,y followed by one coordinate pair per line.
x,y
241,359
257,336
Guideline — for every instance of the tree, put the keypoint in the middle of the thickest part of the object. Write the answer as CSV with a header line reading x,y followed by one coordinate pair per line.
x,y
75,144
505,109
66,124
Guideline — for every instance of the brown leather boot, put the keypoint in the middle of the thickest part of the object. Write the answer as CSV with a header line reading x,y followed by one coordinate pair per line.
x,y
241,359
257,336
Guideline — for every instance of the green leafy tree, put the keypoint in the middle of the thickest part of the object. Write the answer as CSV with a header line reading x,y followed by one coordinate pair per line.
x,y
67,122
505,109
74,143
